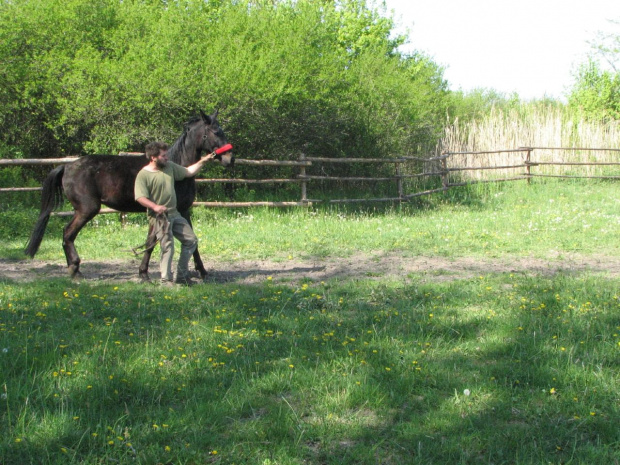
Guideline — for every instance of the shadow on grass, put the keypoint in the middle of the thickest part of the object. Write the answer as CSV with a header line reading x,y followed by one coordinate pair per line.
x,y
505,369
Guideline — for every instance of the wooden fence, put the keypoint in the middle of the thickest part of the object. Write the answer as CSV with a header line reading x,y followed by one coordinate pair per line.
x,y
444,168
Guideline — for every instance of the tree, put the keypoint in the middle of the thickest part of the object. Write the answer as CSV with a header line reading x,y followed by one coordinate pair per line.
x,y
596,93
101,76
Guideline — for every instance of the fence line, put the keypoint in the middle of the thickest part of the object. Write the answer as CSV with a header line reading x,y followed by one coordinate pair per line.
x,y
37,161
584,149
247,181
357,160
436,166
561,163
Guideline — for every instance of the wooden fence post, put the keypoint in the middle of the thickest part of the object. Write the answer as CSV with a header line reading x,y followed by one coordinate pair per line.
x,y
302,174
445,174
399,181
528,159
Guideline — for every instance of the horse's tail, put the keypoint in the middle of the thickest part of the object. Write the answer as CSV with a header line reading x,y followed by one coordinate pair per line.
x,y
51,197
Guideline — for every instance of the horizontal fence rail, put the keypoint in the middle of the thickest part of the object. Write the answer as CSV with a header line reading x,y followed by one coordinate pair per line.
x,y
37,161
442,167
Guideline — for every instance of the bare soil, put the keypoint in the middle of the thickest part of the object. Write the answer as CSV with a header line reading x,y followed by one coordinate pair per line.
x,y
360,266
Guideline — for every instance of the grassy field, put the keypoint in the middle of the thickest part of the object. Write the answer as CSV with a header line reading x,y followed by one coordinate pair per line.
x,y
497,368
488,220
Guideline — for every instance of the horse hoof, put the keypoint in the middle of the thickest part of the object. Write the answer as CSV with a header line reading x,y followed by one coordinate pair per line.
x,y
76,275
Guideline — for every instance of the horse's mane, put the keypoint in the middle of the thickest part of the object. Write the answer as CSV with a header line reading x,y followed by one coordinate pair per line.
x,y
179,153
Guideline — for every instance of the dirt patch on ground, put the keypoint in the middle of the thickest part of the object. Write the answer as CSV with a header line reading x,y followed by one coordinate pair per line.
x,y
360,266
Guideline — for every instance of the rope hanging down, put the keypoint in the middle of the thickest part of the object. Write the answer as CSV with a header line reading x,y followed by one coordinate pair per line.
x,y
160,228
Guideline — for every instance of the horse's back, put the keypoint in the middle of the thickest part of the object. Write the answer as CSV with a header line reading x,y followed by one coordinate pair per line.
x,y
107,179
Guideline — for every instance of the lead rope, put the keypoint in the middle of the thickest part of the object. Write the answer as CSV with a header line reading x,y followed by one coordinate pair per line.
x,y
162,225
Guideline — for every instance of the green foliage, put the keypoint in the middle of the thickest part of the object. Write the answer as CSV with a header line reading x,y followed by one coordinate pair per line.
x,y
480,103
596,93
320,77
15,176
475,104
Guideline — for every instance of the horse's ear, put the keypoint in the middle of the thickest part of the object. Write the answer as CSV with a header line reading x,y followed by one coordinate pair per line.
x,y
206,118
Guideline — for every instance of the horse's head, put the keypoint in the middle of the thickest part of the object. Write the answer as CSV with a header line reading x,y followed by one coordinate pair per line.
x,y
214,138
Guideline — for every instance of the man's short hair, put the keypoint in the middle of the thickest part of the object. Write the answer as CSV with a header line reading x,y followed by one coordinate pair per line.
x,y
153,149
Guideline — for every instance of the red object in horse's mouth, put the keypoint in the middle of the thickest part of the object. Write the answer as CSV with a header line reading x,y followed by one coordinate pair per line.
x,y
223,149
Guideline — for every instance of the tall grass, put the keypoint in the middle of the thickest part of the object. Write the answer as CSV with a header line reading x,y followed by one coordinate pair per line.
x,y
531,126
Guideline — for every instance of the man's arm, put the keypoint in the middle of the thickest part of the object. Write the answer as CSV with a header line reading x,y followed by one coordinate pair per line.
x,y
196,167
145,202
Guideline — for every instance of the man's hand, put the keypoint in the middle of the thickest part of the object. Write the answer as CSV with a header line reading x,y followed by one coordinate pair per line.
x,y
146,203
159,209
208,156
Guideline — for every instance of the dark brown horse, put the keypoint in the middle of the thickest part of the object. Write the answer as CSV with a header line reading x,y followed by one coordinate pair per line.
x,y
109,179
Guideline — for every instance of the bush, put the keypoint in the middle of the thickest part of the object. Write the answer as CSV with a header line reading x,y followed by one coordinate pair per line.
x,y
319,77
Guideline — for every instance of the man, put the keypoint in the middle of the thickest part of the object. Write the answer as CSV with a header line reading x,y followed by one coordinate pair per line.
x,y
154,190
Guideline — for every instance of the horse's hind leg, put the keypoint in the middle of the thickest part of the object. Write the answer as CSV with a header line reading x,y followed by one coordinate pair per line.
x,y
143,270
68,239
197,260
199,265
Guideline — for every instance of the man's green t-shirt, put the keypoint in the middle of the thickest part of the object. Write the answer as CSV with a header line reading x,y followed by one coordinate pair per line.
x,y
158,186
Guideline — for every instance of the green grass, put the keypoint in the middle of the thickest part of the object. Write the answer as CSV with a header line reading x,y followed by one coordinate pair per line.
x,y
511,220
362,371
